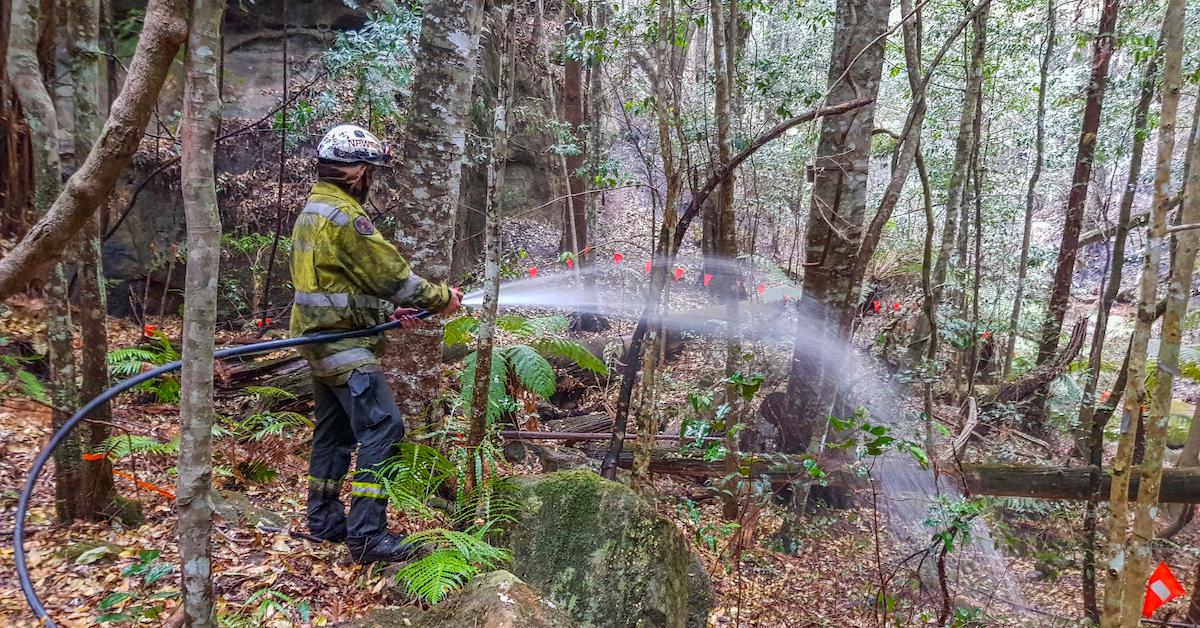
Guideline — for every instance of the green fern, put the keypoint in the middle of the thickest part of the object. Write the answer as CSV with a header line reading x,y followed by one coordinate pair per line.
x,y
456,557
460,331
412,477
436,575
130,361
573,351
268,394
265,424
494,501
532,370
498,400
32,387
122,446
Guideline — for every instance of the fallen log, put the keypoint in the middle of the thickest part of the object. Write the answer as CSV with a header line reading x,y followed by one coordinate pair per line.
x,y
1179,486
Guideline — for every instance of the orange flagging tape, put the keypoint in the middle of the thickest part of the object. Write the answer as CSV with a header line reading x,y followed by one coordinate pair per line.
x,y
140,484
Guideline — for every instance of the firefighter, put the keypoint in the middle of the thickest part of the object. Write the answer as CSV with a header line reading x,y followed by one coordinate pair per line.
x,y
347,276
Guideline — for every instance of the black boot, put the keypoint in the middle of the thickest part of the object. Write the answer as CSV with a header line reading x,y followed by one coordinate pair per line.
x,y
326,516
384,547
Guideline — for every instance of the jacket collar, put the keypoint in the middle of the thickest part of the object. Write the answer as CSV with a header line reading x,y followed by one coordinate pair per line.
x,y
325,188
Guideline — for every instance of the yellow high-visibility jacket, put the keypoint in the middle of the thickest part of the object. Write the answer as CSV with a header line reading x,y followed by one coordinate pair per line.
x,y
347,276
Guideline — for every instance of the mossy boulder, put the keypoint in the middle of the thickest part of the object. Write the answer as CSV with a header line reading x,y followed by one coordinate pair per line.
x,y
496,599
605,556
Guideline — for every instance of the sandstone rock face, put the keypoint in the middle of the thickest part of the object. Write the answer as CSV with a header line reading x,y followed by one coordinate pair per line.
x,y
496,599
606,557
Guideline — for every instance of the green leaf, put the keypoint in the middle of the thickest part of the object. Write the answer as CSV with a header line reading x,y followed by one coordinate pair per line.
x,y
113,617
115,599
460,331
156,573
93,555
573,351
532,370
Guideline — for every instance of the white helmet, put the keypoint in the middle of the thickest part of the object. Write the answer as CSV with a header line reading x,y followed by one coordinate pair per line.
x,y
350,144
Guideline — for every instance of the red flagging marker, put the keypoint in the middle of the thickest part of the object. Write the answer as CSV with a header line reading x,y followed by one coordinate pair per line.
x,y
678,273
896,307
617,257
533,272
875,305
649,265
1162,588
707,279
570,263
762,288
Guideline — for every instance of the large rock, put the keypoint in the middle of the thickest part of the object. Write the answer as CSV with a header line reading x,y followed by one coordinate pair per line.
x,y
496,599
605,556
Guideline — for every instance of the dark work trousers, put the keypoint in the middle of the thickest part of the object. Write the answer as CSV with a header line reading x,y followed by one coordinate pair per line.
x,y
359,413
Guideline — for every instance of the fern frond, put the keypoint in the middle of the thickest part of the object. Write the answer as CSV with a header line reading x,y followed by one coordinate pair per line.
x,y
549,325
122,446
532,370
515,324
413,476
436,575
492,502
459,331
261,425
573,351
32,387
497,397
470,547
269,393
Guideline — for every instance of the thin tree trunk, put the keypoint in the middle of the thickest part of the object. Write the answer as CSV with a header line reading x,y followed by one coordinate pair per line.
x,y
26,76
1031,192
1115,612
1064,272
648,419
977,171
1091,425
1179,288
201,113
83,21
957,186
484,348
163,31
426,183
575,207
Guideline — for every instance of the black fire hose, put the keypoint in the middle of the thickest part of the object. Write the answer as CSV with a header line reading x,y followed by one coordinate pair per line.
x,y
31,597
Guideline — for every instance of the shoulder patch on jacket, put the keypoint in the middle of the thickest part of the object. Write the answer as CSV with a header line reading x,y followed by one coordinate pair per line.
x,y
363,225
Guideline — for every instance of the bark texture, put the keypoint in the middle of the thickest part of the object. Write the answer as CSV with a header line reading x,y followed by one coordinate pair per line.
x,y
201,115
426,181
838,206
163,32
83,28
1116,610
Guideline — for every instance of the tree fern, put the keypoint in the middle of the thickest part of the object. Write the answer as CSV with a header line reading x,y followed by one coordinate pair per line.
x,y
413,476
532,370
460,331
129,361
498,400
573,351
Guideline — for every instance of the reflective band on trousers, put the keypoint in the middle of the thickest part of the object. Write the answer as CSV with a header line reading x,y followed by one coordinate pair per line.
x,y
367,489
337,299
331,213
342,358
324,486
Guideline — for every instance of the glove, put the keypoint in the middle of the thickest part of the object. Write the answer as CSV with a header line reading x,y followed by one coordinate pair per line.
x,y
407,317
454,303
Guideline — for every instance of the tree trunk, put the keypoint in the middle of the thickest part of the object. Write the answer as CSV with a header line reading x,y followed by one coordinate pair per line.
x,y
1179,288
1064,272
163,31
426,182
492,210
665,107
574,207
922,337
201,114
725,219
1091,425
26,76
83,22
1179,486
838,206
1031,192
1115,611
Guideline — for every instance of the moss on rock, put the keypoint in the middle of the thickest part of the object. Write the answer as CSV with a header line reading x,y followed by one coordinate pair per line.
x,y
605,556
496,599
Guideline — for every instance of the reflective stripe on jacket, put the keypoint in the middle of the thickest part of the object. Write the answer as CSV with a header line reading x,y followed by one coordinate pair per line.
x,y
347,276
